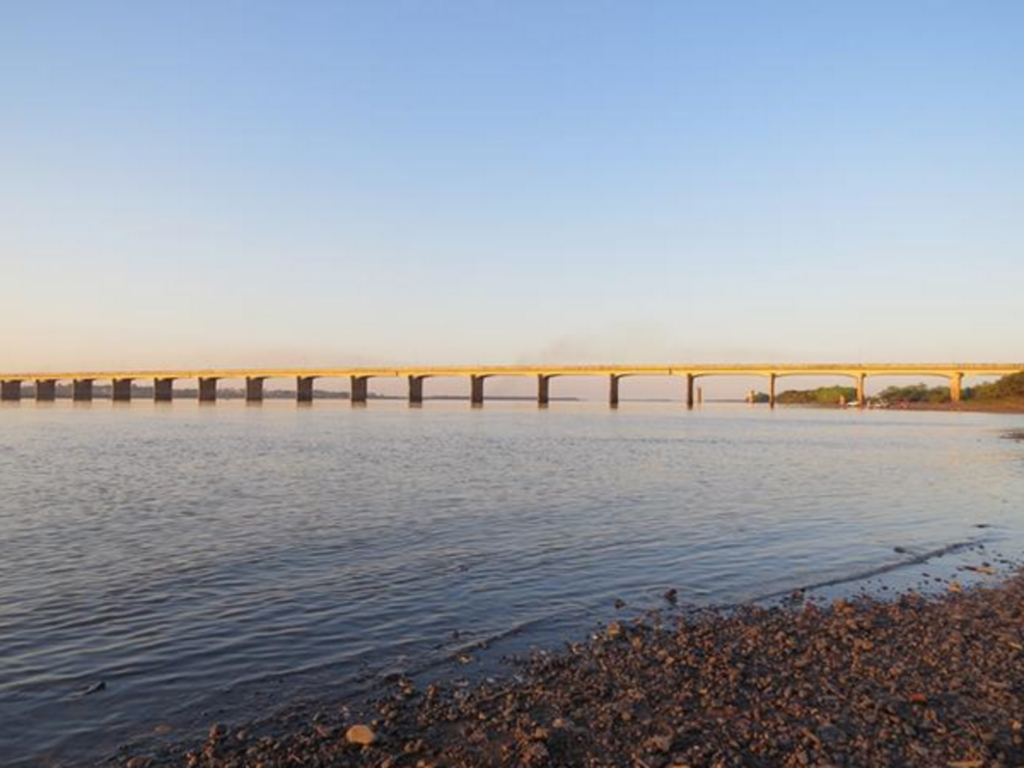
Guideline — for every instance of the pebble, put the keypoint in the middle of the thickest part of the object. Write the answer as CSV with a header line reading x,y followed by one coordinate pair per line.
x,y
660,743
362,735
910,681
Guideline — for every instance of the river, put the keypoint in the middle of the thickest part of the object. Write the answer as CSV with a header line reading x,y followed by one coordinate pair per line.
x,y
200,562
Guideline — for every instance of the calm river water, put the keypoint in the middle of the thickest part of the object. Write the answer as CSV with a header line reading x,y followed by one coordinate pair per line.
x,y
217,562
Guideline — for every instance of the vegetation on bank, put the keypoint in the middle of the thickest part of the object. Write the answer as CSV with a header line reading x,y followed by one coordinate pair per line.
x,y
821,396
1007,390
914,393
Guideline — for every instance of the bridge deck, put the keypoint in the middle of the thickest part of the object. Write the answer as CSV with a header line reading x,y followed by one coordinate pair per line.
x,y
677,369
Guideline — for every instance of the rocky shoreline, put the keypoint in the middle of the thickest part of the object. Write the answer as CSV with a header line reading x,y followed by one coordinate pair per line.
x,y
911,682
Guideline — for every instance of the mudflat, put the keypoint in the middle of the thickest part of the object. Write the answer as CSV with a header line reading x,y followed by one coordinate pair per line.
x,y
910,682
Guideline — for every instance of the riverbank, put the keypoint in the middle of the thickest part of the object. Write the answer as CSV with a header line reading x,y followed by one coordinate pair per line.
x,y
965,406
968,406
913,682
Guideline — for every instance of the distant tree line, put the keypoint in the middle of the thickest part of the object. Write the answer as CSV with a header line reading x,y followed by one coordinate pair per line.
x,y
914,393
1007,388
145,391
64,391
821,396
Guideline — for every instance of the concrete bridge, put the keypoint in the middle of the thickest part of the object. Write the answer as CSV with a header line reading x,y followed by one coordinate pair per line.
x,y
163,380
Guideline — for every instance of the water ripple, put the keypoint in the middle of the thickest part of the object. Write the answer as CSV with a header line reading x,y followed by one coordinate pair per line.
x,y
198,559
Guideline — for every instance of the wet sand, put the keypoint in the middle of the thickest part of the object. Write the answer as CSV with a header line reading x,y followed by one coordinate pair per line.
x,y
915,681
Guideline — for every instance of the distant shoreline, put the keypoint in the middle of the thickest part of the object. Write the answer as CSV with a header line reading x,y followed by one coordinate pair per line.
x,y
967,406
143,393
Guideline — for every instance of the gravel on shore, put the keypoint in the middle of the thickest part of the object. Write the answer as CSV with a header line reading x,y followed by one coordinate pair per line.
x,y
912,682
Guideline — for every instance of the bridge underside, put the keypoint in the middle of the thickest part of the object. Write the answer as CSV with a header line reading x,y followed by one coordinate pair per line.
x,y
359,389
208,390
10,391
46,390
163,390
122,390
81,390
254,389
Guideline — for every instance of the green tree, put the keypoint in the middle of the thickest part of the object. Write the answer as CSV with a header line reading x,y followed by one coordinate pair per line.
x,y
1007,388
822,396
914,393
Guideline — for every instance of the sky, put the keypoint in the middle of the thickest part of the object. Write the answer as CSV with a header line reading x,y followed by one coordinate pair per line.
x,y
389,182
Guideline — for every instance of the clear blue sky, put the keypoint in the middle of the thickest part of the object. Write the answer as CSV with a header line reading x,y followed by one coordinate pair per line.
x,y
456,182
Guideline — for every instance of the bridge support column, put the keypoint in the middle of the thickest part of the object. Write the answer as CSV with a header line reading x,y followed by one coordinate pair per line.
x,y
543,390
476,390
122,390
689,390
10,390
163,390
862,398
46,391
81,390
207,390
360,386
771,389
956,386
613,391
416,390
254,389
304,389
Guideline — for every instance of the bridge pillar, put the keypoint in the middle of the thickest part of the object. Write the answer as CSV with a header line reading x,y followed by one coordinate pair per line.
x,y
360,386
476,390
416,390
207,390
613,391
46,390
163,390
304,389
254,389
543,390
771,389
689,390
10,390
81,390
122,390
862,398
956,385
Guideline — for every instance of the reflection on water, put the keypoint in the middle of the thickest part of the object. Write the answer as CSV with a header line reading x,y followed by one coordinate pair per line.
x,y
194,558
